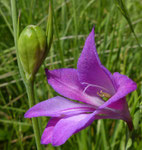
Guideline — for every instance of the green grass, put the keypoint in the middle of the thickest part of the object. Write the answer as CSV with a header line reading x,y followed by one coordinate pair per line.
x,y
116,31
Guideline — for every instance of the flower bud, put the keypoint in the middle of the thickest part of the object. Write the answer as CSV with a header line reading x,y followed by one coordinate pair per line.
x,y
32,49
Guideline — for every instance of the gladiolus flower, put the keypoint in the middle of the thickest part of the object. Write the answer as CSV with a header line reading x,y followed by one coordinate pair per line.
x,y
101,93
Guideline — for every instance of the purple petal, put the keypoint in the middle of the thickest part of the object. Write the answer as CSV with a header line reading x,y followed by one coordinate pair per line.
x,y
48,132
68,126
124,86
90,70
66,83
58,130
118,101
58,107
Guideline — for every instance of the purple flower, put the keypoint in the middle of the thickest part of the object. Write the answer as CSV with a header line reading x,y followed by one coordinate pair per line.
x,y
101,93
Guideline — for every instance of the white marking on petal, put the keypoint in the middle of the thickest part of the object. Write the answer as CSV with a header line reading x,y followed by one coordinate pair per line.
x,y
93,85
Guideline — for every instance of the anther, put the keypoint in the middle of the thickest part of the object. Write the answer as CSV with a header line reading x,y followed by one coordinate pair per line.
x,y
103,94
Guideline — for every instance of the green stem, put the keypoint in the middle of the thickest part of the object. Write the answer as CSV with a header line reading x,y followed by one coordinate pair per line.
x,y
30,83
104,138
76,42
61,53
14,21
30,92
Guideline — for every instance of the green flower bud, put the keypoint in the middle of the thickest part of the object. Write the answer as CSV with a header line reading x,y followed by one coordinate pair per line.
x,y
32,49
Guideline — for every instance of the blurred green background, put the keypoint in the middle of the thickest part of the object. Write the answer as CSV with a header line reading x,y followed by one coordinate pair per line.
x,y
118,50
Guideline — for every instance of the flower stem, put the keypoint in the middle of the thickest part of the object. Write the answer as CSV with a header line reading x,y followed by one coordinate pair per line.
x,y
29,84
15,30
130,125
30,92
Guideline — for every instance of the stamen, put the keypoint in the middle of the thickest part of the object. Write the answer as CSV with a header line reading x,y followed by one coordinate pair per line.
x,y
92,85
103,94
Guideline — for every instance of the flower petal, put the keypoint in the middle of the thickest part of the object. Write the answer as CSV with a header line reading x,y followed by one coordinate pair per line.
x,y
58,130
68,126
66,83
124,86
48,131
90,70
58,107
118,101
